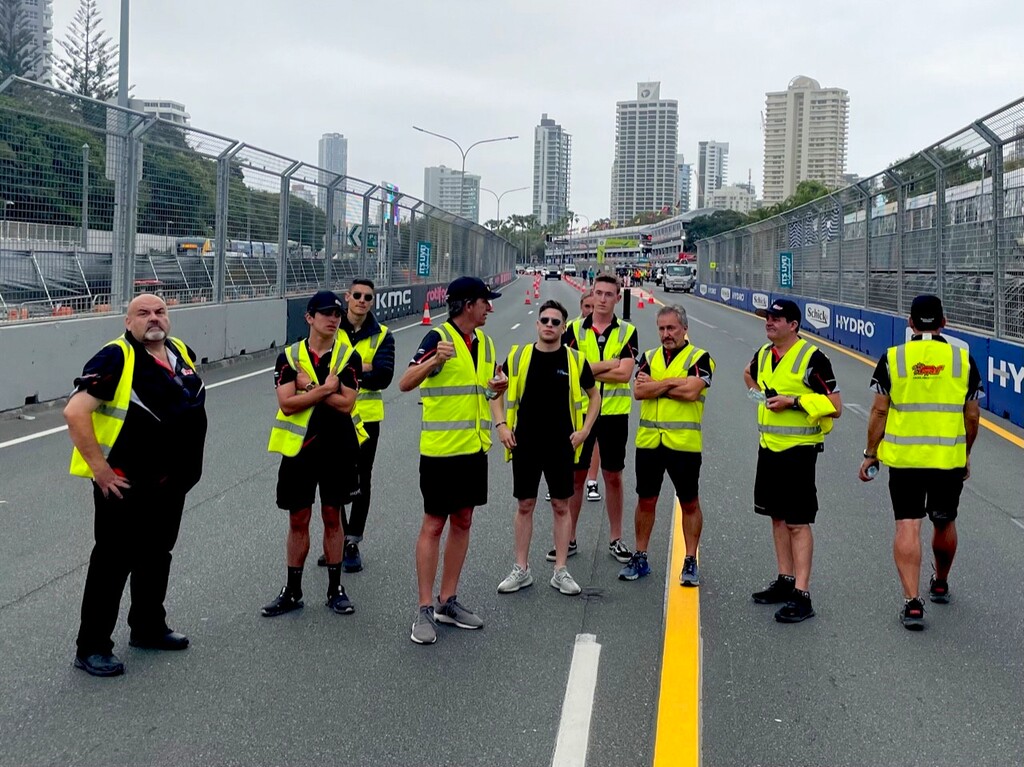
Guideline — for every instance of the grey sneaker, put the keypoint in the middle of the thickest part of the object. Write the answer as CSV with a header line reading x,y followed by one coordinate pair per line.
x,y
424,630
564,582
519,578
593,494
620,551
454,614
690,576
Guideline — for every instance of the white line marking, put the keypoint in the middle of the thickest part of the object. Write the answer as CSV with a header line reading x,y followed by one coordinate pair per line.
x,y
1017,522
574,726
858,409
705,324
59,429
530,312
516,326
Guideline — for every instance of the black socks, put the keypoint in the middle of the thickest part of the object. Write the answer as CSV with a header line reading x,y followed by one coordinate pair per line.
x,y
295,581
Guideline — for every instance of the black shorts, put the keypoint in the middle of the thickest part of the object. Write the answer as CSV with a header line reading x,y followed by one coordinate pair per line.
x,y
318,465
784,485
683,471
611,432
451,483
935,492
530,460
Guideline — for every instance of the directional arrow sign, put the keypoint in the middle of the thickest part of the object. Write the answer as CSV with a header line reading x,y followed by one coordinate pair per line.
x,y
355,235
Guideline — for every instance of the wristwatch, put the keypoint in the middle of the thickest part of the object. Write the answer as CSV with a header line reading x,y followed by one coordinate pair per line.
x,y
310,386
869,456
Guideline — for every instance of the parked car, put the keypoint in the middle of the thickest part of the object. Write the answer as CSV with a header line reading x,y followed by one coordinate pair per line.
x,y
679,277
552,273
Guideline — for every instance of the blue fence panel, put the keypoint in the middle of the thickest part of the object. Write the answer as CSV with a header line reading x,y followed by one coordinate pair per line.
x,y
1003,370
878,334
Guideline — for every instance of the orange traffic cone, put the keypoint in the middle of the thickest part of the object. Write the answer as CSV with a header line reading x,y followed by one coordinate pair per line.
x,y
650,298
426,313
640,303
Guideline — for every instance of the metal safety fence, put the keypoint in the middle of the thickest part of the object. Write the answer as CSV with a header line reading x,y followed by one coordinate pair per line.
x,y
948,220
100,203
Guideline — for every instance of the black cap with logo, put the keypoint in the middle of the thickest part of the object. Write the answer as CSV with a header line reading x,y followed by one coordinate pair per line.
x,y
470,289
323,300
926,312
781,307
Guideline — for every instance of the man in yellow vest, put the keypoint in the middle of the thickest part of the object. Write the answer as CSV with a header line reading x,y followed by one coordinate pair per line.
x,y
316,380
611,348
375,344
922,425
138,423
454,369
671,384
544,432
798,398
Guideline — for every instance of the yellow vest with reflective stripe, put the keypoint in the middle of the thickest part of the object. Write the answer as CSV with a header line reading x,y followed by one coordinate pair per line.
x,y
616,398
666,421
925,425
456,414
289,431
108,418
369,403
787,428
519,367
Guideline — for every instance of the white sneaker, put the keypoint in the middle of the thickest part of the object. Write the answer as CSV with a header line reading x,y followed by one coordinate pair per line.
x,y
519,578
564,582
593,494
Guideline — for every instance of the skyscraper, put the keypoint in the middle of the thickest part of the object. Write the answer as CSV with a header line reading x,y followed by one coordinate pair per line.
x,y
646,140
333,157
712,169
683,171
552,153
441,187
37,16
805,133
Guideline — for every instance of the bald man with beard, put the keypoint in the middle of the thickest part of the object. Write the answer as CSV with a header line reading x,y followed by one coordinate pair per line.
x,y
137,419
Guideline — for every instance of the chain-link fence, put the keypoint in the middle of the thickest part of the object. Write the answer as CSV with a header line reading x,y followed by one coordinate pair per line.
x,y
99,203
948,220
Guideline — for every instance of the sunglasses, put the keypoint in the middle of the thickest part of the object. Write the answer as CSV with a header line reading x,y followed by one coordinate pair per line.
x,y
553,321
361,296
330,312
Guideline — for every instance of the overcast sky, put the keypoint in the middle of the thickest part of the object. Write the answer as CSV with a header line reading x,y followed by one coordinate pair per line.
x,y
278,74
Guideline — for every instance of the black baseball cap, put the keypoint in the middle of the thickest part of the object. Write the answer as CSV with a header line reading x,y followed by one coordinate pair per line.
x,y
323,300
781,307
470,289
926,312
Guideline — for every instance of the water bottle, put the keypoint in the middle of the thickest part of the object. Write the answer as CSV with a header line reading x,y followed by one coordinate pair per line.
x,y
756,395
872,470
489,392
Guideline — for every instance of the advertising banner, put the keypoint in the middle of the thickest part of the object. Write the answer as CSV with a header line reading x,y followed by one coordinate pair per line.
x,y
1003,370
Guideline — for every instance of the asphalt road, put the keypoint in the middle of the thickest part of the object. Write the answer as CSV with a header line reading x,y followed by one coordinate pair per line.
x,y
848,687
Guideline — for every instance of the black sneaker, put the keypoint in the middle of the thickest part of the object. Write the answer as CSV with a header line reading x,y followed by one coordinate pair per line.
x,y
938,591
351,562
340,603
285,603
778,591
912,614
322,562
797,609
572,551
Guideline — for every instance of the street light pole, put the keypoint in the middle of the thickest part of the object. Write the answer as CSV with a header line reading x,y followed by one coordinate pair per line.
x,y
498,197
5,227
464,152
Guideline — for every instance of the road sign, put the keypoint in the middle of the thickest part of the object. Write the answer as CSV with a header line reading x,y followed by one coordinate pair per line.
x,y
423,258
785,270
713,265
371,240
355,235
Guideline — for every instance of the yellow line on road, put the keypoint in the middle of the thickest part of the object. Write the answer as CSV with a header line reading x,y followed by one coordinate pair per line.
x,y
677,737
991,426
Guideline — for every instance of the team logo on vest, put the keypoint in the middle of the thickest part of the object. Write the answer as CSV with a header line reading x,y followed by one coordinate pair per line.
x,y
818,316
920,369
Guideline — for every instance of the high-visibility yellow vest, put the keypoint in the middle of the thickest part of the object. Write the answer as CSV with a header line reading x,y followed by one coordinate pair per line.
x,y
616,398
456,414
369,403
108,418
519,367
925,425
666,421
788,428
289,431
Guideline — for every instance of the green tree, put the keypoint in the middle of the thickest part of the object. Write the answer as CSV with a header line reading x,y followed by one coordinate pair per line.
x,y
806,191
708,226
89,64
20,54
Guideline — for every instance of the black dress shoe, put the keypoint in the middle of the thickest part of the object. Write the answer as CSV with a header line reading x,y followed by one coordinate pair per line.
x,y
322,562
172,640
100,664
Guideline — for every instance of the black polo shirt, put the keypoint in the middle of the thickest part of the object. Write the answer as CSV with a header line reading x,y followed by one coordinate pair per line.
x,y
164,432
630,349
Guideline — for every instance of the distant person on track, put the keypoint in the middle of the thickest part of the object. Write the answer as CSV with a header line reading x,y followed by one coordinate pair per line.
x,y
610,346
671,384
544,434
138,423
454,369
798,399
316,380
375,344
923,423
